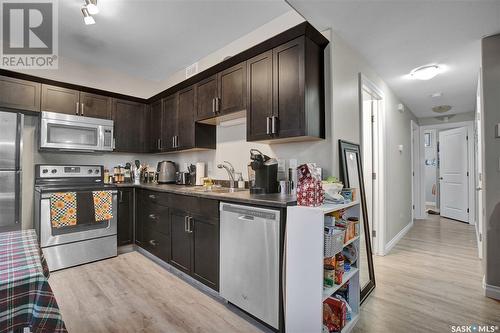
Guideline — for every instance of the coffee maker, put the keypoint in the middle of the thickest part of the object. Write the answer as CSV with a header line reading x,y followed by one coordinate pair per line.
x,y
265,179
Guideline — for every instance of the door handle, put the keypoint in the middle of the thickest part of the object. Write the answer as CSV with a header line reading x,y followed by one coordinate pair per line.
x,y
213,105
152,196
176,141
121,196
441,178
77,108
152,216
479,188
153,242
82,108
158,144
268,125
186,224
217,104
190,224
274,129
173,141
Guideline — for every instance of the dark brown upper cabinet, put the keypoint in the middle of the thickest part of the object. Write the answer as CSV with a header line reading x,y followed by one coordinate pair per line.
x,y
19,94
259,96
95,106
69,101
60,100
222,94
206,94
185,119
232,89
155,121
297,107
173,126
130,126
169,122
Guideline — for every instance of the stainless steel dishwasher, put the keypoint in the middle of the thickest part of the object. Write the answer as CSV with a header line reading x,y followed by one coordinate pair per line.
x,y
249,260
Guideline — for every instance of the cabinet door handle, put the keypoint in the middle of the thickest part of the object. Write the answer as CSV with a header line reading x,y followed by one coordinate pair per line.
x,y
185,223
82,108
152,216
77,108
121,196
153,242
152,196
158,144
268,125
173,141
217,104
213,105
190,224
176,141
274,129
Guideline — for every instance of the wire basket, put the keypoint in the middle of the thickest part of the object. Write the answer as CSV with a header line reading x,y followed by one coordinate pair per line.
x,y
334,242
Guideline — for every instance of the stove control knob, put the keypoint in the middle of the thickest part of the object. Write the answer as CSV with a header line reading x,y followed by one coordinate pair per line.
x,y
45,170
89,171
97,171
53,170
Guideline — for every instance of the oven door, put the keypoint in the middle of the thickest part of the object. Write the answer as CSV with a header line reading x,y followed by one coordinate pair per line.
x,y
84,230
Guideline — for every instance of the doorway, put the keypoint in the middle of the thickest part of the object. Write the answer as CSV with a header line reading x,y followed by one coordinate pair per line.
x,y
447,165
371,105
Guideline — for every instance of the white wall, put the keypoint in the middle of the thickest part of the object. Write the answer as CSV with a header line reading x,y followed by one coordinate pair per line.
x,y
346,64
491,102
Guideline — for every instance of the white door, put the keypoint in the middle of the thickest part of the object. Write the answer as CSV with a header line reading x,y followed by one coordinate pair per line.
x,y
479,169
453,177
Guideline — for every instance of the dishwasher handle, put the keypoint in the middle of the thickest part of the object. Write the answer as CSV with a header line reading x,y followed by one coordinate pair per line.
x,y
246,217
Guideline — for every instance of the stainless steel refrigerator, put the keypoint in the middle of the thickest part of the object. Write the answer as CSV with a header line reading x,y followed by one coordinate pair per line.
x,y
11,144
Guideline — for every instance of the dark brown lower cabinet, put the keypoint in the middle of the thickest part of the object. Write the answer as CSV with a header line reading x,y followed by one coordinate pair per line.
x,y
191,243
205,264
181,240
125,228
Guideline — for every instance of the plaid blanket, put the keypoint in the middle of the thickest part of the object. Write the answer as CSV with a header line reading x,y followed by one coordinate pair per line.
x,y
26,299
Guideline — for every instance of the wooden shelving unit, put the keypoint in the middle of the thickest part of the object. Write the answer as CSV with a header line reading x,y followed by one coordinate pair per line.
x,y
304,292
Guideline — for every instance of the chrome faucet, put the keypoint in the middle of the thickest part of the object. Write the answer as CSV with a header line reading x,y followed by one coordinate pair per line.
x,y
230,171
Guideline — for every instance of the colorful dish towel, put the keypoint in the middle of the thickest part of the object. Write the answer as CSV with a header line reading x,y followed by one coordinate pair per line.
x,y
103,204
63,209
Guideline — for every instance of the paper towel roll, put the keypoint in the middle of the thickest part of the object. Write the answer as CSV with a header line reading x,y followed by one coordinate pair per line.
x,y
200,173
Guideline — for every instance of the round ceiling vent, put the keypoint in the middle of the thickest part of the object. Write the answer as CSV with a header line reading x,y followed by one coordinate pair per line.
x,y
441,108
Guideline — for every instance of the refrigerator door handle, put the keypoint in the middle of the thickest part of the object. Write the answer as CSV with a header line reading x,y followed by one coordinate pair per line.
x,y
18,194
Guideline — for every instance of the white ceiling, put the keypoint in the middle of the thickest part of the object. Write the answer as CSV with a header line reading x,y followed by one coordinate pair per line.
x,y
397,36
154,39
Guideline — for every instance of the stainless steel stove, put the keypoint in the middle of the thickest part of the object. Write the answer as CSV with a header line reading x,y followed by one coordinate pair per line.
x,y
82,242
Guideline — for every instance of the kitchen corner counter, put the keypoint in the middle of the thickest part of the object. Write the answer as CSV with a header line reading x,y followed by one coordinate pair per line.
x,y
244,197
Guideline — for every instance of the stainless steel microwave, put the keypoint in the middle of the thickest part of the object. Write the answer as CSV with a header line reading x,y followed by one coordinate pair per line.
x,y
75,133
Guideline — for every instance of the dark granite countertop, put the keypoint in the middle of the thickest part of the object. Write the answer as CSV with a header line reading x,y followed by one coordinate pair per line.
x,y
240,196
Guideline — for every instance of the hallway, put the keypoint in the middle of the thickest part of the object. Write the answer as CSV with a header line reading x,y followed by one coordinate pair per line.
x,y
430,281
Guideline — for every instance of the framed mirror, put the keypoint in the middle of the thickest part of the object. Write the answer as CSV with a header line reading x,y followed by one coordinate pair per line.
x,y
351,174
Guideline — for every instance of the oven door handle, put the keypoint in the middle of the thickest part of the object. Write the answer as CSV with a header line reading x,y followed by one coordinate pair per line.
x,y
48,195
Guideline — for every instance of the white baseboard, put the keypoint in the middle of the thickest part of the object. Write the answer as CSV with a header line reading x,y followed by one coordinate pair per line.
x,y
492,291
397,238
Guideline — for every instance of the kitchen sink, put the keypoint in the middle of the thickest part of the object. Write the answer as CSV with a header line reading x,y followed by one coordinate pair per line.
x,y
217,189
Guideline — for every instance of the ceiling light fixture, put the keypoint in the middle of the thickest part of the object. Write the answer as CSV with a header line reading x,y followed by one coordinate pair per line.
x,y
441,108
425,72
87,18
92,6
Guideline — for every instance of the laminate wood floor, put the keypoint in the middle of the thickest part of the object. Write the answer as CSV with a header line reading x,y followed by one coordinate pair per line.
x,y
430,280
130,293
